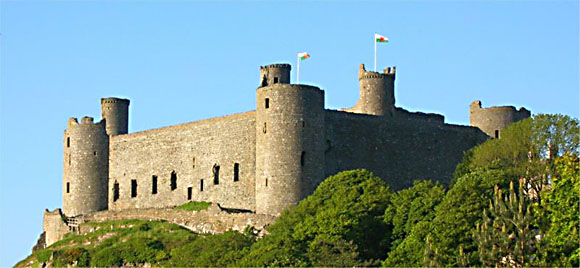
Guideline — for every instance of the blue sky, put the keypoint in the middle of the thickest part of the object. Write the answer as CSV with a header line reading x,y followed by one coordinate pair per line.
x,y
183,61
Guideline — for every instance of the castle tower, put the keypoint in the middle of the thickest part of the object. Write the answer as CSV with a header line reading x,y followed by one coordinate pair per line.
x,y
493,120
115,111
377,92
290,142
275,74
86,167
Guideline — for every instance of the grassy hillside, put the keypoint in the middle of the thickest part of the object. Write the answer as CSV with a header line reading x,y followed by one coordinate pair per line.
x,y
126,243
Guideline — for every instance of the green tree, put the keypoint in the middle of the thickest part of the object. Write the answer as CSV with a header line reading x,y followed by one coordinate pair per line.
x,y
344,216
507,235
456,216
411,207
410,252
211,250
526,148
559,215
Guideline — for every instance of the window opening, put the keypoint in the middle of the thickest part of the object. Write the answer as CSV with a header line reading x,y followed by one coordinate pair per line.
x,y
201,185
189,193
154,184
275,80
133,188
267,104
264,81
193,162
216,174
236,172
95,153
67,141
68,187
265,128
69,159
496,133
302,158
115,191
173,180
266,182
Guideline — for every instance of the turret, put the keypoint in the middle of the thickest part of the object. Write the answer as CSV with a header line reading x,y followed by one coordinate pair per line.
x,y
115,111
377,92
289,144
86,167
493,120
275,74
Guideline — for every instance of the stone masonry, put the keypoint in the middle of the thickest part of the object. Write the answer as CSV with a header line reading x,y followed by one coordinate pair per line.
x,y
265,160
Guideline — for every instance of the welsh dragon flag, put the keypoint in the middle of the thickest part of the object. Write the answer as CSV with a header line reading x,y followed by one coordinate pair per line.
x,y
381,39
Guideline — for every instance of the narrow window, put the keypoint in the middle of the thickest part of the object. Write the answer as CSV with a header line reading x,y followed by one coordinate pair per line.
x,y
189,192
236,172
133,188
67,141
302,158
95,153
201,185
154,184
303,123
265,128
264,81
267,104
69,159
275,80
216,174
115,191
496,133
266,182
193,162
68,187
173,180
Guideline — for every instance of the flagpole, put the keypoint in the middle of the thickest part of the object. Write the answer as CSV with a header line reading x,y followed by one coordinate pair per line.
x,y
298,70
375,53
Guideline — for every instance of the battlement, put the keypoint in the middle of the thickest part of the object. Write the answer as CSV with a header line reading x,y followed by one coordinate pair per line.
x,y
86,120
476,105
296,86
115,100
387,73
277,66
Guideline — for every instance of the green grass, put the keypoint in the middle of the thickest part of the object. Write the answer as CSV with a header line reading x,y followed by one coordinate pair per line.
x,y
194,206
116,243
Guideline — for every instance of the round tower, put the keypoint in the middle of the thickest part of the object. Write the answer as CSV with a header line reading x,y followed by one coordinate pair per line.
x,y
377,92
290,145
275,74
493,120
86,167
115,111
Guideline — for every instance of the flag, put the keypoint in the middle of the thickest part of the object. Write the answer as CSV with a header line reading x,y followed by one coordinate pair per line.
x,y
303,56
381,39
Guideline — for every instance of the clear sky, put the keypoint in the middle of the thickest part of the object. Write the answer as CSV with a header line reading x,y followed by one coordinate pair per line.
x,y
183,61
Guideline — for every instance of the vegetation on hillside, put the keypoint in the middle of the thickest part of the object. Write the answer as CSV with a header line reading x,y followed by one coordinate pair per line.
x,y
355,219
194,206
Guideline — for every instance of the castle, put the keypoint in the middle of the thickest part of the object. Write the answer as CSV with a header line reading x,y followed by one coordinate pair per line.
x,y
268,159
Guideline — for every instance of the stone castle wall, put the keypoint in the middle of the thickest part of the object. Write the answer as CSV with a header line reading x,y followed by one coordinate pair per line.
x,y
492,120
289,145
398,149
191,151
85,172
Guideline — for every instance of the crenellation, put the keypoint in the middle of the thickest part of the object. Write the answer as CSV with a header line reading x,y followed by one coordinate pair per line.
x,y
261,161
